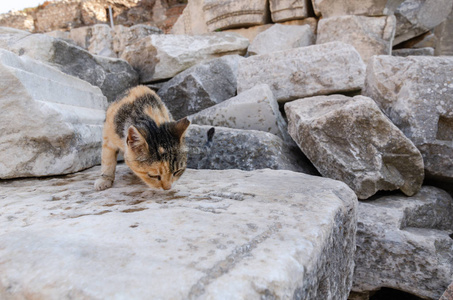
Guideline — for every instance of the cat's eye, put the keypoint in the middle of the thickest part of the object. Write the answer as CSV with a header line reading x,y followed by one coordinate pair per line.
x,y
178,173
157,177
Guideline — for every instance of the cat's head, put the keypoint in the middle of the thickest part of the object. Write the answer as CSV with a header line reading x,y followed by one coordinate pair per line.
x,y
157,155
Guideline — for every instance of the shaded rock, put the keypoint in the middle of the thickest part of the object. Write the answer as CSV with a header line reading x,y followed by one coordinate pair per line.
x,y
403,243
416,93
126,36
415,17
201,86
351,140
51,123
448,294
331,8
192,20
254,109
369,35
250,32
112,76
281,37
229,148
307,71
158,57
444,35
97,39
312,22
219,234
285,10
428,51
220,14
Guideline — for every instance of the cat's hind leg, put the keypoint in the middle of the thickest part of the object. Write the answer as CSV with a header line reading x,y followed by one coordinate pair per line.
x,y
108,166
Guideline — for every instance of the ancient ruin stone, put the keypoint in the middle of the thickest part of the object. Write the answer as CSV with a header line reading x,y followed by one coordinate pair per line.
x,y
192,20
404,243
217,234
285,10
250,32
428,51
444,35
306,71
126,36
51,123
331,8
369,35
17,19
351,140
416,93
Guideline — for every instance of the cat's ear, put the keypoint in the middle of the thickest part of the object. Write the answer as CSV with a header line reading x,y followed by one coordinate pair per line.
x,y
179,128
135,139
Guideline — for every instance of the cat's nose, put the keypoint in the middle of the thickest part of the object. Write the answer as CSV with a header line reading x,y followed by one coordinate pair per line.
x,y
166,186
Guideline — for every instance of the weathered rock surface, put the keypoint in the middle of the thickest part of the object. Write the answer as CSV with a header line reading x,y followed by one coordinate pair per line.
x,y
369,35
444,34
17,19
286,10
201,86
241,149
404,243
254,109
219,234
428,51
415,17
192,20
250,32
158,57
307,71
416,93
351,140
221,14
448,294
126,36
51,123
281,37
112,76
330,8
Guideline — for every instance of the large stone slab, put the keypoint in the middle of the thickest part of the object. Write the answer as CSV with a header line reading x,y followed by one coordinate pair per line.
x,y
254,109
221,14
307,71
281,37
286,10
404,243
415,17
217,234
159,57
416,93
223,148
331,8
351,140
192,20
444,34
51,123
111,75
369,35
201,86
125,36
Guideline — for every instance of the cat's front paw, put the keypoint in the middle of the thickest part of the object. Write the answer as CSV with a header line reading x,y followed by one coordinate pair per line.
x,y
103,183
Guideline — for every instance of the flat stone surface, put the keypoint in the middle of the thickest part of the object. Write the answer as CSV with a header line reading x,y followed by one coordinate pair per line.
x,y
286,10
403,243
351,140
330,8
217,234
192,20
306,71
416,93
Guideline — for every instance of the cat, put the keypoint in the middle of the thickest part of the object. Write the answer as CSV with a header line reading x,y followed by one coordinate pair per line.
x,y
141,127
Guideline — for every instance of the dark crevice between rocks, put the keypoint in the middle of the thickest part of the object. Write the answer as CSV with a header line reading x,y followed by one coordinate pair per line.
x,y
392,294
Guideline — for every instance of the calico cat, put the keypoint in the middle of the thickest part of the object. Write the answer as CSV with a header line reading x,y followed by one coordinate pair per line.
x,y
141,126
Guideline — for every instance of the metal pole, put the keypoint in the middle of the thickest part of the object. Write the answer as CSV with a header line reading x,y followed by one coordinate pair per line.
x,y
111,16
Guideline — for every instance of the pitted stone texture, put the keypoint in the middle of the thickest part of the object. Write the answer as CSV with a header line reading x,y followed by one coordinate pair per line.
x,y
351,140
286,10
51,123
448,294
369,35
415,17
17,19
444,34
159,57
281,37
125,36
218,234
201,86
416,93
221,14
254,109
307,71
191,21
111,75
404,243
241,149
331,8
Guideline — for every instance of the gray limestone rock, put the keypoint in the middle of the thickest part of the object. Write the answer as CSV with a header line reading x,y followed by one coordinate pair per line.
x,y
201,86
307,71
50,122
428,51
404,243
369,35
162,56
126,36
416,93
286,10
111,75
281,37
226,148
216,235
331,8
444,35
351,140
